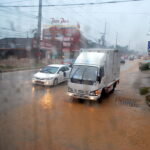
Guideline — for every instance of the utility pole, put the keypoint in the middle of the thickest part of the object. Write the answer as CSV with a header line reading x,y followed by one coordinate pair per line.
x,y
39,31
116,39
103,36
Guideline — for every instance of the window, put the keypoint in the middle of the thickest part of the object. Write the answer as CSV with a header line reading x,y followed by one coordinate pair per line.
x,y
66,68
62,69
101,71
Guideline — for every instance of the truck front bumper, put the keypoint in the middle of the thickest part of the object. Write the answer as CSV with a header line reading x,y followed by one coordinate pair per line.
x,y
88,97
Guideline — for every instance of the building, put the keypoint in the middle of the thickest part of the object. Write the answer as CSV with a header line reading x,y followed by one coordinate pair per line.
x,y
62,41
18,47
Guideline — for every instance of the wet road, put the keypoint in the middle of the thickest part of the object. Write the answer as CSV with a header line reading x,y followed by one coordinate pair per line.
x,y
40,118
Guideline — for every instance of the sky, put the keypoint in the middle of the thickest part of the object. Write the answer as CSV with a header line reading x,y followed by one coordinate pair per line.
x,y
128,21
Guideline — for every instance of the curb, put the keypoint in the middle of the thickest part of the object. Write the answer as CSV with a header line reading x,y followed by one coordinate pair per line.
x,y
20,69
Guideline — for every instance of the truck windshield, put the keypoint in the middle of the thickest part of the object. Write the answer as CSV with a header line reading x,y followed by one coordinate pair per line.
x,y
84,75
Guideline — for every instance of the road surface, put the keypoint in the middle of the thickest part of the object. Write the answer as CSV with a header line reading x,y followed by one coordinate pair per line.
x,y
40,118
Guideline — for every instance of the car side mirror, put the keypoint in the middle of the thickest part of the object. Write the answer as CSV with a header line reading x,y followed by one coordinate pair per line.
x,y
64,74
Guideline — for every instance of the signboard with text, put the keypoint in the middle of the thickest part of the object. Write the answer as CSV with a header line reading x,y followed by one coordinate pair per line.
x,y
149,48
148,45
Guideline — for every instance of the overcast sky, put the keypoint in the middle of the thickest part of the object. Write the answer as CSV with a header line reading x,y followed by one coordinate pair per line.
x,y
130,20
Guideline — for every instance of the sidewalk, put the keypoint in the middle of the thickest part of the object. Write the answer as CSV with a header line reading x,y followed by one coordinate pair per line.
x,y
131,80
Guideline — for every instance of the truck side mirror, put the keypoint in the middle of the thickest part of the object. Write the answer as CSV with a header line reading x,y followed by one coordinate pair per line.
x,y
99,79
101,71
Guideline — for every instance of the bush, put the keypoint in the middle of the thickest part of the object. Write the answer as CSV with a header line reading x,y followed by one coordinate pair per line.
x,y
148,100
145,66
144,90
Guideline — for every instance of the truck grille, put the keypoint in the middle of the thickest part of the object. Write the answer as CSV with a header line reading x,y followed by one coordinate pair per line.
x,y
80,92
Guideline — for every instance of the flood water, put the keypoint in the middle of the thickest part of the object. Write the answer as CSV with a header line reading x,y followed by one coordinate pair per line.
x,y
40,118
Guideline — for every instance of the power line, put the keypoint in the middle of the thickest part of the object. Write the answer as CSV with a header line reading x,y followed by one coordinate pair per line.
x,y
25,14
73,4
14,2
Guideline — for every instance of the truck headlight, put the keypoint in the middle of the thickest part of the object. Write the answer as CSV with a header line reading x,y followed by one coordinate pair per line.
x,y
95,93
70,90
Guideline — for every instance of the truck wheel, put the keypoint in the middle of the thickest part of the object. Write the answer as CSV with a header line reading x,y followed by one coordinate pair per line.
x,y
102,96
114,86
103,93
55,82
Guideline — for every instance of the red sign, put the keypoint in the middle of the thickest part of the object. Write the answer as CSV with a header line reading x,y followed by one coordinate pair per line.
x,y
66,44
43,44
66,49
68,39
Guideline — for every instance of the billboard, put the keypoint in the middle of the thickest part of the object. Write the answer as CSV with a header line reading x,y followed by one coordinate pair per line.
x,y
149,48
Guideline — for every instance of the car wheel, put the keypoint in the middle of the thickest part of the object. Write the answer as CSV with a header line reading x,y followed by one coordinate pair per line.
x,y
55,82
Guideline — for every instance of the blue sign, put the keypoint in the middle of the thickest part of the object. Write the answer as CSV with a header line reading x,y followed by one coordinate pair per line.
x,y
148,45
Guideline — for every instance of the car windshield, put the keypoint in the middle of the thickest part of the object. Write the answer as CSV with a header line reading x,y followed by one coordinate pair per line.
x,y
84,74
50,69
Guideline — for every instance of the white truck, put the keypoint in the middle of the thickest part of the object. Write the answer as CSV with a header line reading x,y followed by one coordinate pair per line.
x,y
94,73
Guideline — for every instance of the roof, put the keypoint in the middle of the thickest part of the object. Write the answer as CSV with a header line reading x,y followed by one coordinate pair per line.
x,y
91,58
15,42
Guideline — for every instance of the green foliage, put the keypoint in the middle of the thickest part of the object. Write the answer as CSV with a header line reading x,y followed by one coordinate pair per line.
x,y
145,66
148,100
144,90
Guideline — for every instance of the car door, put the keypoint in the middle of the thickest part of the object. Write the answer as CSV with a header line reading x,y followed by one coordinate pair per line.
x,y
67,71
61,74
64,73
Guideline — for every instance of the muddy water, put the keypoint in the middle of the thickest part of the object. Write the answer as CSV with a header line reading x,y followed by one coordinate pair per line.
x,y
38,118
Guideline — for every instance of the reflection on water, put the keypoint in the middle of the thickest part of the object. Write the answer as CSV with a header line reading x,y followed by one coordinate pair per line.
x,y
33,90
91,109
46,100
